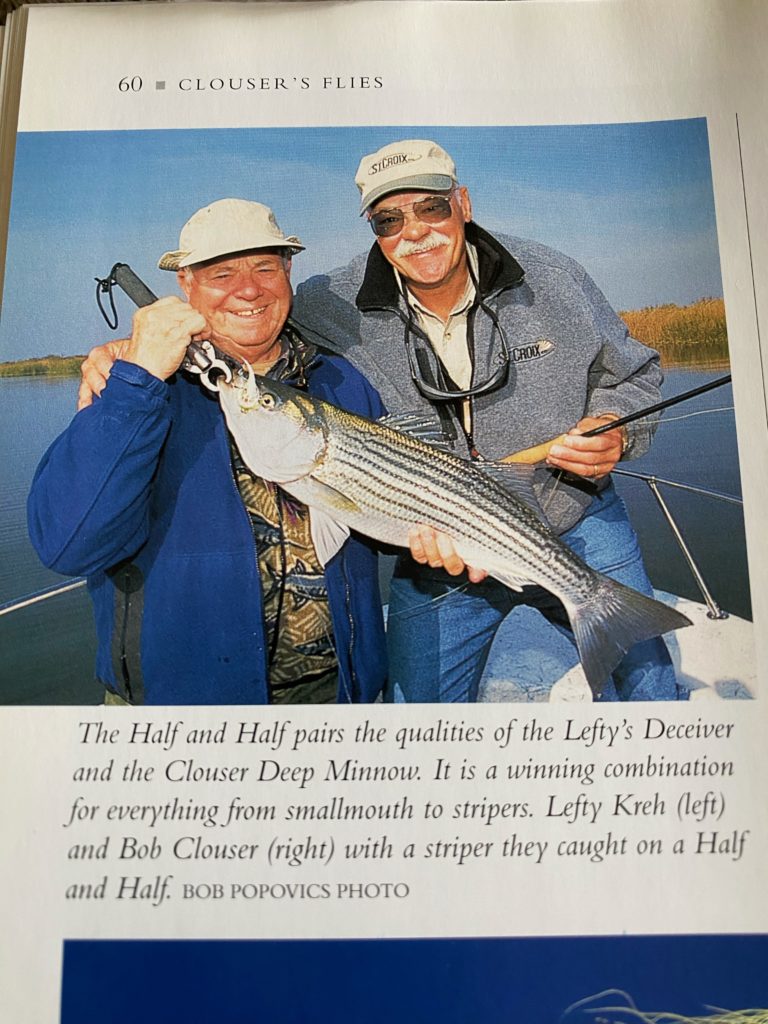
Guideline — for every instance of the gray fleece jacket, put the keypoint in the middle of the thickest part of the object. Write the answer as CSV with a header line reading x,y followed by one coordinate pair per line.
x,y
570,355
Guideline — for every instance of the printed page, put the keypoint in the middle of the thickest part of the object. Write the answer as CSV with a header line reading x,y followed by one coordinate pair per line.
x,y
505,848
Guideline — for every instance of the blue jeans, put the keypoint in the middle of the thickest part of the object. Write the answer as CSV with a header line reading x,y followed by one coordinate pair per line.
x,y
440,628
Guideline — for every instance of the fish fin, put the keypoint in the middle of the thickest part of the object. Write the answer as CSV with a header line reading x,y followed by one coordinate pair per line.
x,y
327,535
314,491
611,621
517,478
421,425
509,581
499,568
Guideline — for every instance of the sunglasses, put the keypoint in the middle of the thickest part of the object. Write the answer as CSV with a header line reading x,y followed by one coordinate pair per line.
x,y
430,210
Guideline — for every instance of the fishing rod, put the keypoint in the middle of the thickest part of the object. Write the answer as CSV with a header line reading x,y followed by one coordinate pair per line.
x,y
659,406
539,452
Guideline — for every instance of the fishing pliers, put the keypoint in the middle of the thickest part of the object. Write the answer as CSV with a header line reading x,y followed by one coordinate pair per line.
x,y
205,359
202,357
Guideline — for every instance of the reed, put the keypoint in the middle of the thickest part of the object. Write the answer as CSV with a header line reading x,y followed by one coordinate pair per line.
x,y
682,334
47,366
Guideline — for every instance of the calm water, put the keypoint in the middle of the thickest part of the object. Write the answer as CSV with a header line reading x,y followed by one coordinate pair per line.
x,y
48,648
694,444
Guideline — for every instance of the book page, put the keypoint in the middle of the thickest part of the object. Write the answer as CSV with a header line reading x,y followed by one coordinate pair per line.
x,y
527,855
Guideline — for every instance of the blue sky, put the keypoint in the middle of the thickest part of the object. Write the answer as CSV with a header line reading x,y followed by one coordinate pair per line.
x,y
632,203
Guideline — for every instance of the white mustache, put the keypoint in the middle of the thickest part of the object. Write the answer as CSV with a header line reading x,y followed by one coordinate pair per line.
x,y
434,240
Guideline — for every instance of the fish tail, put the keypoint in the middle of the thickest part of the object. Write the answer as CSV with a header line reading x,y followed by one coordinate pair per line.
x,y
611,621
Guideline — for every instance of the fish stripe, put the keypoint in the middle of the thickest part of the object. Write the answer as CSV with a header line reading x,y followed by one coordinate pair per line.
x,y
393,477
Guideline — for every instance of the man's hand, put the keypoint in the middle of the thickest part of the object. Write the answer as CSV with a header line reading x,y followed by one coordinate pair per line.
x,y
590,457
95,369
436,549
160,336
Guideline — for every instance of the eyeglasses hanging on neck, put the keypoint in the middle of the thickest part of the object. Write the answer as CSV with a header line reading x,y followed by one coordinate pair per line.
x,y
427,371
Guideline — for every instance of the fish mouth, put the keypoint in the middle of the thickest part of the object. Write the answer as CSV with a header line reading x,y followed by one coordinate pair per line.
x,y
244,383
251,393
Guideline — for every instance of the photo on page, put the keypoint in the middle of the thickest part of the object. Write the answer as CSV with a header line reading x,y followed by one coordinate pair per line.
x,y
496,287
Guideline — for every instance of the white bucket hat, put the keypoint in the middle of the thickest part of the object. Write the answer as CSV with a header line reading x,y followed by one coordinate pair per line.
x,y
228,225
413,164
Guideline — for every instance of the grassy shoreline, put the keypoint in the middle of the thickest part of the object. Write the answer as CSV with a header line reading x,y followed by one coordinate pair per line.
x,y
47,366
682,334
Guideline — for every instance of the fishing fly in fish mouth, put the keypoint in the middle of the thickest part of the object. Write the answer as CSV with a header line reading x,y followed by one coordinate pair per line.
x,y
381,482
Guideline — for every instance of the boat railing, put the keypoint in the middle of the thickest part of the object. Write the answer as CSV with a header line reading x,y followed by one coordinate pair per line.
x,y
714,611
42,595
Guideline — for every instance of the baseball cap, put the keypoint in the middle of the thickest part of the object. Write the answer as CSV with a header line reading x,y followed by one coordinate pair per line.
x,y
404,166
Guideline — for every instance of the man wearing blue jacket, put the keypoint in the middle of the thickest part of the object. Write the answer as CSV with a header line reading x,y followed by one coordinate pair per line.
x,y
206,585
511,343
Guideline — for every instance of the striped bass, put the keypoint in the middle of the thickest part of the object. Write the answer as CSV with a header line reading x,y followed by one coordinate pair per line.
x,y
381,482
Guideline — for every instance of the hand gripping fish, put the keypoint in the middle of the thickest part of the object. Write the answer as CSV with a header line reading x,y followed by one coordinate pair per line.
x,y
381,481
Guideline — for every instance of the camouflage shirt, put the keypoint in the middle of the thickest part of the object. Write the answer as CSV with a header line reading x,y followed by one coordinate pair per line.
x,y
302,658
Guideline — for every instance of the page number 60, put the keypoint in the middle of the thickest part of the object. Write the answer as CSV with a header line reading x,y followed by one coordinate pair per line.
x,y
130,84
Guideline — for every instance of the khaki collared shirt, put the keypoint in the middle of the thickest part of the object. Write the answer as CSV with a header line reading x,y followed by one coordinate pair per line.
x,y
449,338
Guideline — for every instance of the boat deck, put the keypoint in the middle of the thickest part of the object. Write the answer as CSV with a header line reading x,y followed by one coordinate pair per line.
x,y
531,661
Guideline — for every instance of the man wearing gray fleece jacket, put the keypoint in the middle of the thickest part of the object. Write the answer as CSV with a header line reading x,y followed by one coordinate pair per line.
x,y
511,344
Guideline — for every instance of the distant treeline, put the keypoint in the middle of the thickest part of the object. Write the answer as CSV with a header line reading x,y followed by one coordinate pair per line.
x,y
48,366
682,334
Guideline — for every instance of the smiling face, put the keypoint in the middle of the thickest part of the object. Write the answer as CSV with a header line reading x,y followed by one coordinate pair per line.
x,y
427,255
246,298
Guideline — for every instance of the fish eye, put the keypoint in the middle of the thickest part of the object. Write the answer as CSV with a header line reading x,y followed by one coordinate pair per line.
x,y
267,401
